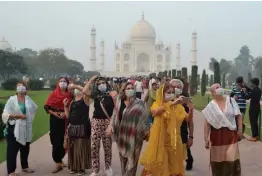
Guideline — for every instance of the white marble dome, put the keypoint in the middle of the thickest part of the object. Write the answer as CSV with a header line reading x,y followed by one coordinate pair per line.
x,y
143,30
4,45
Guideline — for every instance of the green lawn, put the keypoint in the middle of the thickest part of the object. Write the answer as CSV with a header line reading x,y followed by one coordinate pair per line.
x,y
41,121
200,103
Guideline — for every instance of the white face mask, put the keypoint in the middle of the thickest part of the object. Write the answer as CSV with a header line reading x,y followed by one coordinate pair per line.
x,y
102,87
130,92
169,97
21,89
77,92
178,91
220,91
63,85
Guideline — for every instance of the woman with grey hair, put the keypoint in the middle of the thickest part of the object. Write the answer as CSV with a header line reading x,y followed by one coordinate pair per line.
x,y
187,127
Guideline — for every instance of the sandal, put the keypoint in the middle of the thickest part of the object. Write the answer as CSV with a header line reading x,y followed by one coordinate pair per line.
x,y
57,169
28,170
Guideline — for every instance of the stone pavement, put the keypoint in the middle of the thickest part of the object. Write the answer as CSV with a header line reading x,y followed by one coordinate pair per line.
x,y
40,157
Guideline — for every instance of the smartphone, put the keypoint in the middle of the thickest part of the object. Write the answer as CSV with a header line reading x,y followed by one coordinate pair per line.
x,y
187,99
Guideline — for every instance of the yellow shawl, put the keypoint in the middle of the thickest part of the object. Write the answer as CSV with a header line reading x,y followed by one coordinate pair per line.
x,y
164,126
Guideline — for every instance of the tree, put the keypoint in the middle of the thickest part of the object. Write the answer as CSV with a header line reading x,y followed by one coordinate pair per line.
x,y
217,73
173,73
193,81
169,74
224,80
179,74
198,80
211,63
258,66
244,62
11,64
27,53
211,81
184,72
207,80
165,73
225,66
203,83
249,78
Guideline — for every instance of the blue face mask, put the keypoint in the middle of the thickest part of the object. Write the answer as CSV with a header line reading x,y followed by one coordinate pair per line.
x,y
102,87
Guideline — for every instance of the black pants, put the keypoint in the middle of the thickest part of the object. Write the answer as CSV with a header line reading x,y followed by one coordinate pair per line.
x,y
57,134
189,156
243,112
139,95
12,150
253,117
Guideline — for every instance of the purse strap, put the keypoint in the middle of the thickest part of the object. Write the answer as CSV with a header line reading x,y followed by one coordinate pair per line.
x,y
104,110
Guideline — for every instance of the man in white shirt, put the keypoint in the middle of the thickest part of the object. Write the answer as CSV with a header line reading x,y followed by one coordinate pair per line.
x,y
139,88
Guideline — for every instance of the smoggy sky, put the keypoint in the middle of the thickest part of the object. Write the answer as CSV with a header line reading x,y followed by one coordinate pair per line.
x,y
222,27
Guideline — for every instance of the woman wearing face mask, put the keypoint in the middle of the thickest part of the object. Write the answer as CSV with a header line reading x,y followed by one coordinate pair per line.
x,y
55,107
187,127
129,128
79,131
164,153
149,99
103,110
18,116
221,134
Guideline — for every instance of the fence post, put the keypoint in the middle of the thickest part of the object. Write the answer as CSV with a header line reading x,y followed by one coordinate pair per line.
x,y
259,125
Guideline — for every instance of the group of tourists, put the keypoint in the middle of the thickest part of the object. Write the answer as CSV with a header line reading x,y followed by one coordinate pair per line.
x,y
163,118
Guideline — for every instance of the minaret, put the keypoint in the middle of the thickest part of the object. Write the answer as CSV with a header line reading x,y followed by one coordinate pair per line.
x,y
194,48
102,55
93,49
178,67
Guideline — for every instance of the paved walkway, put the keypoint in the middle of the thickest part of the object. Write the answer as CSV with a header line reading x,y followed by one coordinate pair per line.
x,y
40,157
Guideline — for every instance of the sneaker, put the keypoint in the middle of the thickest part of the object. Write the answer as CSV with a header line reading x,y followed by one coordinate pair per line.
x,y
94,174
81,173
72,172
109,172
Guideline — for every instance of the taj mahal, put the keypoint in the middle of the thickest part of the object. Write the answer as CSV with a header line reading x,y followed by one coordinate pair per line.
x,y
140,54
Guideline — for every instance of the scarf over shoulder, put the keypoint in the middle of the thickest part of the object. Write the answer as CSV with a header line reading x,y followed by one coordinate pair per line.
x,y
131,131
164,126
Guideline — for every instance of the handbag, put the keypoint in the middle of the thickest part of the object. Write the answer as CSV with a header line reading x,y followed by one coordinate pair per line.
x,y
104,110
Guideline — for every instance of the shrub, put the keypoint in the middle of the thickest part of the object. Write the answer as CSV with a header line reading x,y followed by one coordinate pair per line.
x,y
193,80
203,83
169,74
165,73
207,80
179,74
224,80
184,72
211,80
10,84
217,78
36,84
173,73
2,125
198,80
53,83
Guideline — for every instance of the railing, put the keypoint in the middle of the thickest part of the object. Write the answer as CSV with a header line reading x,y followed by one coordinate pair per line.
x,y
259,119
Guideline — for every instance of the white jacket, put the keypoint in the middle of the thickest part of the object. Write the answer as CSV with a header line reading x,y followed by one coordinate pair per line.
x,y
23,128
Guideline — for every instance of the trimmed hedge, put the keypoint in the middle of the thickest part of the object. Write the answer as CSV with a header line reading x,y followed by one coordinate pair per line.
x,y
193,81
36,84
10,84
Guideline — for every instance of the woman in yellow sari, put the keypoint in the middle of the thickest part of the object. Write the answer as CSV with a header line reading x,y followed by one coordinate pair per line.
x,y
164,154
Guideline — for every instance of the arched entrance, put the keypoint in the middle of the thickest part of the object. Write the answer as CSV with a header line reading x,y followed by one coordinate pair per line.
x,y
143,63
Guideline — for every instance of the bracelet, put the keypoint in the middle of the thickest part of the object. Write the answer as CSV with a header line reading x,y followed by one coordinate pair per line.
x,y
191,137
